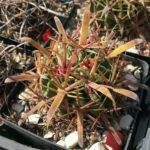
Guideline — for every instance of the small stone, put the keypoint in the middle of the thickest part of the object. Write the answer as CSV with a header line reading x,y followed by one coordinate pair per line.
x,y
27,94
22,114
23,103
71,140
131,78
125,122
34,118
137,74
97,146
17,107
26,108
17,59
133,50
61,143
80,13
60,134
42,124
130,68
48,135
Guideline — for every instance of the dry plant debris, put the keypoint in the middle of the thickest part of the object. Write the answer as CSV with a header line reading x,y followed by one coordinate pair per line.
x,y
30,18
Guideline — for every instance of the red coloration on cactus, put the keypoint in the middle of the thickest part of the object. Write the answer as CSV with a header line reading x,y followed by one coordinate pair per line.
x,y
64,56
46,35
87,64
1,101
1,120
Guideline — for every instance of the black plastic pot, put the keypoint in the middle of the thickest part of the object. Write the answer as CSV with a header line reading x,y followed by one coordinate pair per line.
x,y
38,142
20,135
139,134
7,144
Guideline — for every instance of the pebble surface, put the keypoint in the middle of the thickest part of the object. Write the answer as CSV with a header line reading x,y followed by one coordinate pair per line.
x,y
71,140
34,118
125,122
48,135
97,146
17,107
61,143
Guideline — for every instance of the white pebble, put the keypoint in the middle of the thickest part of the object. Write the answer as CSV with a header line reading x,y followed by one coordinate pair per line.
x,y
23,103
17,58
71,140
137,74
97,146
23,114
60,134
130,68
80,13
48,135
27,94
42,124
133,50
34,118
17,107
61,143
26,108
125,122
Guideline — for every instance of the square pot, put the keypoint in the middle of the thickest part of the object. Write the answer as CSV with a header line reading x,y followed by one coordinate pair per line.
x,y
39,142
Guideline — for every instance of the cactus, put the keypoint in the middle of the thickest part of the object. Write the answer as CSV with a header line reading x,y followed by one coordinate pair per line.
x,y
77,77
119,15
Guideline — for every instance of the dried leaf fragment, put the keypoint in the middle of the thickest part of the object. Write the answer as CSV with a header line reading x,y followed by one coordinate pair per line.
x,y
80,128
127,93
56,103
104,90
61,28
22,77
85,26
93,70
124,47
35,44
